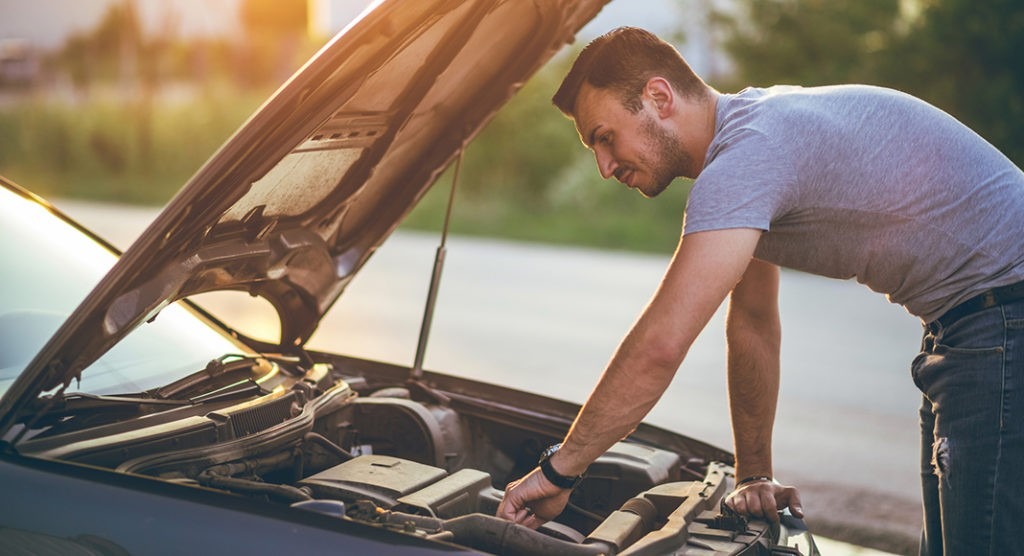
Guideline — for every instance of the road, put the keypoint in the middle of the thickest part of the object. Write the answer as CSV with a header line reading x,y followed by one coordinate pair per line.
x,y
546,319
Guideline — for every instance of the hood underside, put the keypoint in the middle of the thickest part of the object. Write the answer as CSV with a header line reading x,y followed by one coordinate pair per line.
x,y
294,204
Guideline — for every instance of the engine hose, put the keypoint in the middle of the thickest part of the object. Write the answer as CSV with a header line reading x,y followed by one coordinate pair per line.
x,y
431,525
285,492
328,445
252,466
490,533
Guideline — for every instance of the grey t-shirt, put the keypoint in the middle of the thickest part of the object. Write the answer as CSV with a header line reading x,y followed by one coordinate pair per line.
x,y
862,182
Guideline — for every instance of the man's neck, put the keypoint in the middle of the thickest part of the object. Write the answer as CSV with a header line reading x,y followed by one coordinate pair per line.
x,y
695,122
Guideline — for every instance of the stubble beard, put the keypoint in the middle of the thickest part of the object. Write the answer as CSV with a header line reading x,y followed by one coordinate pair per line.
x,y
668,160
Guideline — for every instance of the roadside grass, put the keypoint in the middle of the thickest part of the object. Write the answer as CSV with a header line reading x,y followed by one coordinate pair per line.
x,y
519,182
103,148
601,214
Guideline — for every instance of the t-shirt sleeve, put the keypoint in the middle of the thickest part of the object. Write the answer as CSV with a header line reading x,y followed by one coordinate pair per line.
x,y
746,184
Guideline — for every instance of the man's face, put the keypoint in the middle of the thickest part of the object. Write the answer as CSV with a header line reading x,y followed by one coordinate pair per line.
x,y
634,148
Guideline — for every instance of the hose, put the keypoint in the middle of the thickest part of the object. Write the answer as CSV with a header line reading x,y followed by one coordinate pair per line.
x,y
285,492
328,445
490,533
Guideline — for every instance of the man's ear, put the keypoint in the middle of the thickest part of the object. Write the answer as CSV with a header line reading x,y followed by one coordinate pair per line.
x,y
659,92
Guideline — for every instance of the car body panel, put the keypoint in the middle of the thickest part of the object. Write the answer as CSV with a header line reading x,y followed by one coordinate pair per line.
x,y
199,439
300,197
64,508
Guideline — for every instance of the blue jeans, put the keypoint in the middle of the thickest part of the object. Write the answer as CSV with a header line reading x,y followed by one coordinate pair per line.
x,y
972,433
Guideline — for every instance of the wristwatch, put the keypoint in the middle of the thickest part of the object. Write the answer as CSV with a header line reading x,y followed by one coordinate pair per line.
x,y
555,477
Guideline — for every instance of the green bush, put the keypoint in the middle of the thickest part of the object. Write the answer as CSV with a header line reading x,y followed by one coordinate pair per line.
x,y
526,176
103,148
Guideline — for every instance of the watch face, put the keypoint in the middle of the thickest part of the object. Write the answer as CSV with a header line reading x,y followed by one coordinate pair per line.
x,y
549,451
551,474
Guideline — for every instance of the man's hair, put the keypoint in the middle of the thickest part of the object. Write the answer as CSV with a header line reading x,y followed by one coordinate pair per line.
x,y
623,60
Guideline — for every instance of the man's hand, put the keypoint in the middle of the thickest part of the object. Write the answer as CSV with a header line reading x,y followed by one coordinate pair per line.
x,y
533,501
764,499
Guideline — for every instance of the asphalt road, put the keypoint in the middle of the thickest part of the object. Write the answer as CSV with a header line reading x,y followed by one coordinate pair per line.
x,y
546,319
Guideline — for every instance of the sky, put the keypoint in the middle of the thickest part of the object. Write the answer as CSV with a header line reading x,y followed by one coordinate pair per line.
x,y
47,23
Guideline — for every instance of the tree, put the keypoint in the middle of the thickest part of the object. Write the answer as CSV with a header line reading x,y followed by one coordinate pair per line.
x,y
809,42
107,52
962,56
968,58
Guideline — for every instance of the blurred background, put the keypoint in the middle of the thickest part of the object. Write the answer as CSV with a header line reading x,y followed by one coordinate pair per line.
x,y
125,99
119,102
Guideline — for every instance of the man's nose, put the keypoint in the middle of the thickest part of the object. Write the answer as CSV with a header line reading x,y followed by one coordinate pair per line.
x,y
605,163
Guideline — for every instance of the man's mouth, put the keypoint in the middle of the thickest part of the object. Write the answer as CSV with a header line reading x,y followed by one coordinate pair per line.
x,y
624,175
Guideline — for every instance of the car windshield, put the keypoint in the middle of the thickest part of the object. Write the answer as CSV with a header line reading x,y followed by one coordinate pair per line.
x,y
49,269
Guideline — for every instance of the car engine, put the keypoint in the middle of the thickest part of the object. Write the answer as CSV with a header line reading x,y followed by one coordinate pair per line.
x,y
356,441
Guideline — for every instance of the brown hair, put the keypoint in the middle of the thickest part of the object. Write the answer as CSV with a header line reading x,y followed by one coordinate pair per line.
x,y
623,60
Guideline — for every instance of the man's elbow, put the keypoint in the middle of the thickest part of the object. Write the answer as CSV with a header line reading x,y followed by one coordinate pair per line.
x,y
663,354
750,324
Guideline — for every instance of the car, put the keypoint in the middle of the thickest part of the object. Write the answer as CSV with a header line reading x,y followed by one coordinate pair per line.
x,y
135,422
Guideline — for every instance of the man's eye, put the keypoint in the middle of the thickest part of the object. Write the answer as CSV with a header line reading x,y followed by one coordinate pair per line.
x,y
605,139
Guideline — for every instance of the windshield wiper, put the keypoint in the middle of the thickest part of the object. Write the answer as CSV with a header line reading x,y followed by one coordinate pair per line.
x,y
49,410
81,403
52,409
215,371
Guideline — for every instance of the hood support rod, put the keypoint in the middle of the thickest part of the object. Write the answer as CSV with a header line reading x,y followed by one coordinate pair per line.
x,y
435,279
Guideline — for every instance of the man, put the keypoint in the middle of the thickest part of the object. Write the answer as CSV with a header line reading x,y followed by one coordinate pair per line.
x,y
846,181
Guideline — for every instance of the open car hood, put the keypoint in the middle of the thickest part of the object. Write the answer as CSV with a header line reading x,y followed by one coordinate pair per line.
x,y
296,202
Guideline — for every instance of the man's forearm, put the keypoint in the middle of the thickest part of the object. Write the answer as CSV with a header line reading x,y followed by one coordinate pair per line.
x,y
628,389
703,271
754,338
753,391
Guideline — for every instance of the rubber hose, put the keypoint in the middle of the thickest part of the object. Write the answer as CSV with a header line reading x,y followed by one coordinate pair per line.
x,y
492,534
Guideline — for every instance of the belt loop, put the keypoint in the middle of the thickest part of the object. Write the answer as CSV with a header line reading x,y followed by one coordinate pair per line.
x,y
988,299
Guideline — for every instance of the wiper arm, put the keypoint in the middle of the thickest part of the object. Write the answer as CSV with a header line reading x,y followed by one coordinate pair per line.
x,y
83,401
54,408
241,389
173,394
214,371
79,404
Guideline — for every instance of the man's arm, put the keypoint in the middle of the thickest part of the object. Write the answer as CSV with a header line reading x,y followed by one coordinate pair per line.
x,y
704,269
754,337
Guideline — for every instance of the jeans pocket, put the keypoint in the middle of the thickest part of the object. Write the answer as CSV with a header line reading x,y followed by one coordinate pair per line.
x,y
950,351
915,369
956,369
975,335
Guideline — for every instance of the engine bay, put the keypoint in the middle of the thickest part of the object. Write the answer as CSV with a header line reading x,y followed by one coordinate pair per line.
x,y
354,440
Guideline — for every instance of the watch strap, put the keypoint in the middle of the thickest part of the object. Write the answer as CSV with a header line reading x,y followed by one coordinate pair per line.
x,y
556,478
